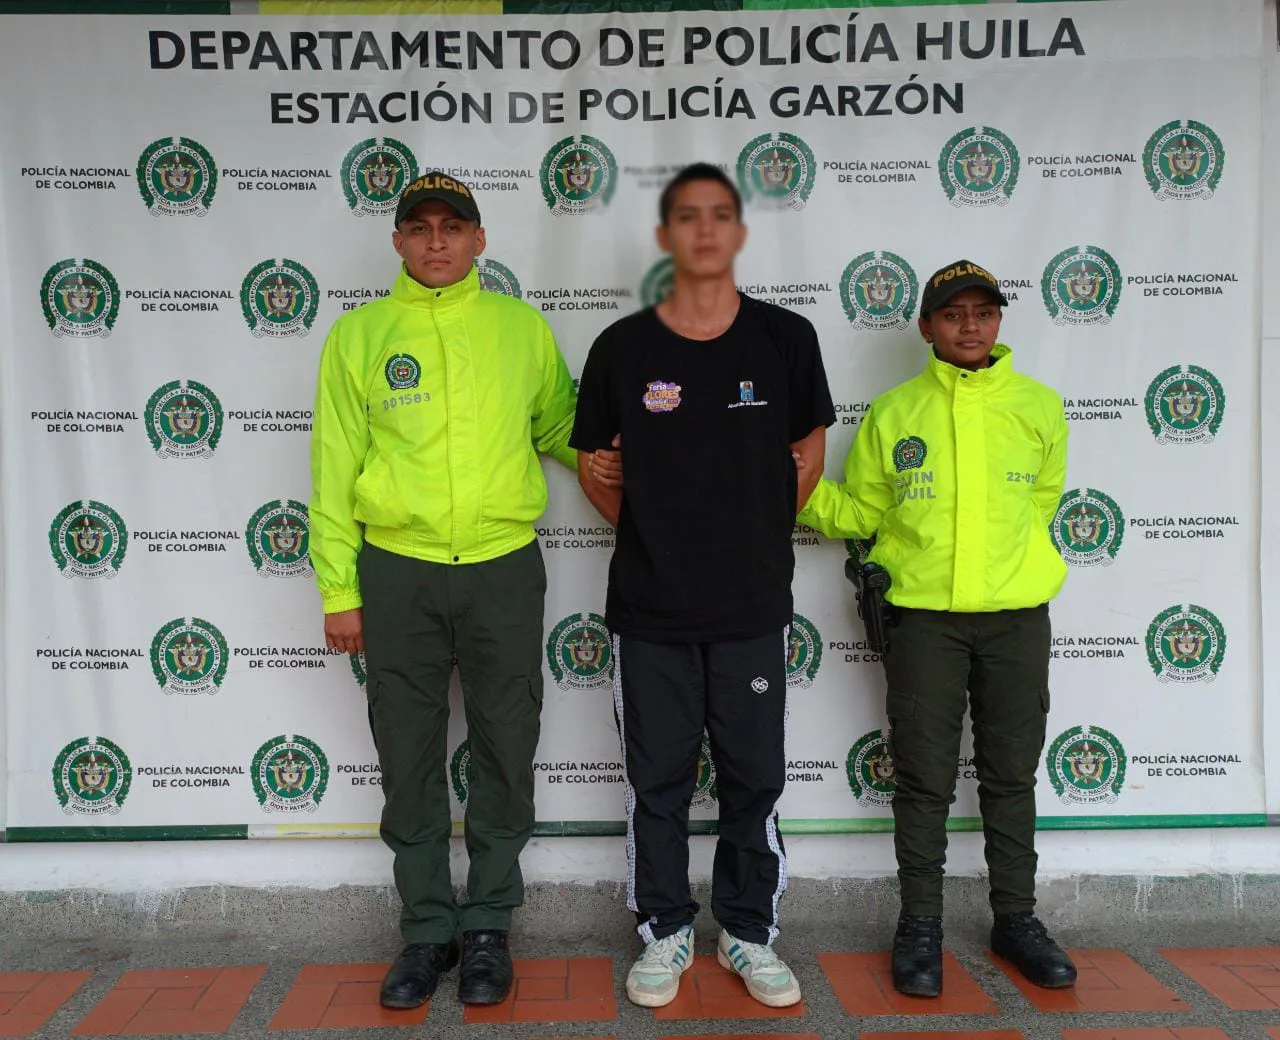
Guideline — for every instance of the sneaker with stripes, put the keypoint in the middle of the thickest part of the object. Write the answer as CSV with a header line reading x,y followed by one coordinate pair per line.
x,y
654,979
768,979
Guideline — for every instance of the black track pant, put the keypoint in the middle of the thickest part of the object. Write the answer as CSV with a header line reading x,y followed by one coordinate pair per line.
x,y
666,695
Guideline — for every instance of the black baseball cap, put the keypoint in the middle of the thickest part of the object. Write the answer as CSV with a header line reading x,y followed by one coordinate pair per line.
x,y
440,186
955,278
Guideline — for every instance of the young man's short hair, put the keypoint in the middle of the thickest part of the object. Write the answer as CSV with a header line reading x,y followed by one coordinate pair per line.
x,y
696,172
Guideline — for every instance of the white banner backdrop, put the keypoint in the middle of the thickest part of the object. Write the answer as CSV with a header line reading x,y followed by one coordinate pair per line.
x,y
188,204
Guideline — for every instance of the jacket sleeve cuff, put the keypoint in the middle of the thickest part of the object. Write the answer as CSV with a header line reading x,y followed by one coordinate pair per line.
x,y
338,600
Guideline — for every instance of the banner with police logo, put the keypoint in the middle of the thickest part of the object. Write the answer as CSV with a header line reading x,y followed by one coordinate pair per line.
x,y
188,204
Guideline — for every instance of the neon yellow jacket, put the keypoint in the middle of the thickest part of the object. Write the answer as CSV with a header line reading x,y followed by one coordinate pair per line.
x,y
430,409
958,475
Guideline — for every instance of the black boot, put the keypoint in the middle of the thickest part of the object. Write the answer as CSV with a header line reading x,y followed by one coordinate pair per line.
x,y
416,974
917,956
1022,940
486,968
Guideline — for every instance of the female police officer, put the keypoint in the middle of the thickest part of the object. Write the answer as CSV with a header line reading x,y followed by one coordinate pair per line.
x,y
957,474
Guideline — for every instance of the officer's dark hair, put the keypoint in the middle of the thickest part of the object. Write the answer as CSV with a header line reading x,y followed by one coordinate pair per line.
x,y
696,172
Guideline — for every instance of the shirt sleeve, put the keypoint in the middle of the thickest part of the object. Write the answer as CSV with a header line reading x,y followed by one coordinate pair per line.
x,y
810,398
1053,470
339,443
597,420
854,508
554,408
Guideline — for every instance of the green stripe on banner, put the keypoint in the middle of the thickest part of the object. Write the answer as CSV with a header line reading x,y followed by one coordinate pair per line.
x,y
214,832
154,7
794,5
613,828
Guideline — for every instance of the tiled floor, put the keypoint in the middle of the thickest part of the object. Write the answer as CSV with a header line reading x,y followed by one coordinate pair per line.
x,y
1116,998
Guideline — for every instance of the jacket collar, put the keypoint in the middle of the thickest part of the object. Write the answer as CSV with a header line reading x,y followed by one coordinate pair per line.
x,y
415,294
998,372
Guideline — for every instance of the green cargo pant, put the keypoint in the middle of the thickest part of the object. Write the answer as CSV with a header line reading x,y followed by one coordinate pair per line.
x,y
417,616
1002,660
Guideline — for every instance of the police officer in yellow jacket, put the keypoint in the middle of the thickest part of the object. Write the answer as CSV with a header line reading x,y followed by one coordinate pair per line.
x,y
957,473
432,406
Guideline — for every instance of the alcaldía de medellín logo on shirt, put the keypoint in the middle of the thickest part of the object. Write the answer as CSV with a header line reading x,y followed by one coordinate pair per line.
x,y
578,174
88,540
189,655
777,170
289,774
279,298
1087,528
373,173
177,177
80,298
92,775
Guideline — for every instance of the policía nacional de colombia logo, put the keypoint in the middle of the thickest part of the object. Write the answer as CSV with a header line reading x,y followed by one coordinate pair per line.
x,y
177,177
580,653
1186,643
92,775
704,785
184,420
498,278
460,772
373,173
1086,766
359,669
80,298
909,453
776,170
278,537
402,371
289,774
578,175
979,167
879,291
189,656
658,282
1087,528
1185,404
1081,286
869,768
804,652
1183,160
88,540
279,298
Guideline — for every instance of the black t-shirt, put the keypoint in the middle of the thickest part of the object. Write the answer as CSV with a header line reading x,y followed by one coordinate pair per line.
x,y
704,535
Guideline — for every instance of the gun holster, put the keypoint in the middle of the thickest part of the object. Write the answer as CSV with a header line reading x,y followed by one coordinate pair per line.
x,y
870,584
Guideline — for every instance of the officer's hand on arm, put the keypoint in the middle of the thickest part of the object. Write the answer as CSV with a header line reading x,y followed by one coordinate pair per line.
x,y
605,466
344,631
809,454
606,498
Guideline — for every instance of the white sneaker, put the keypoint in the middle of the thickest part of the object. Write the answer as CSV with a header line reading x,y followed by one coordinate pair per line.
x,y
654,979
768,979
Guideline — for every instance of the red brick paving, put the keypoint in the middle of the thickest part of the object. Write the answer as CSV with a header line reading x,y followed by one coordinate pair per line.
x,y
28,999
1243,978
554,989
157,1002
1108,981
864,986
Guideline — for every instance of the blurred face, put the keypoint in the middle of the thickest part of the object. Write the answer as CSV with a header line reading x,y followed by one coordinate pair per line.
x,y
964,329
703,233
437,246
